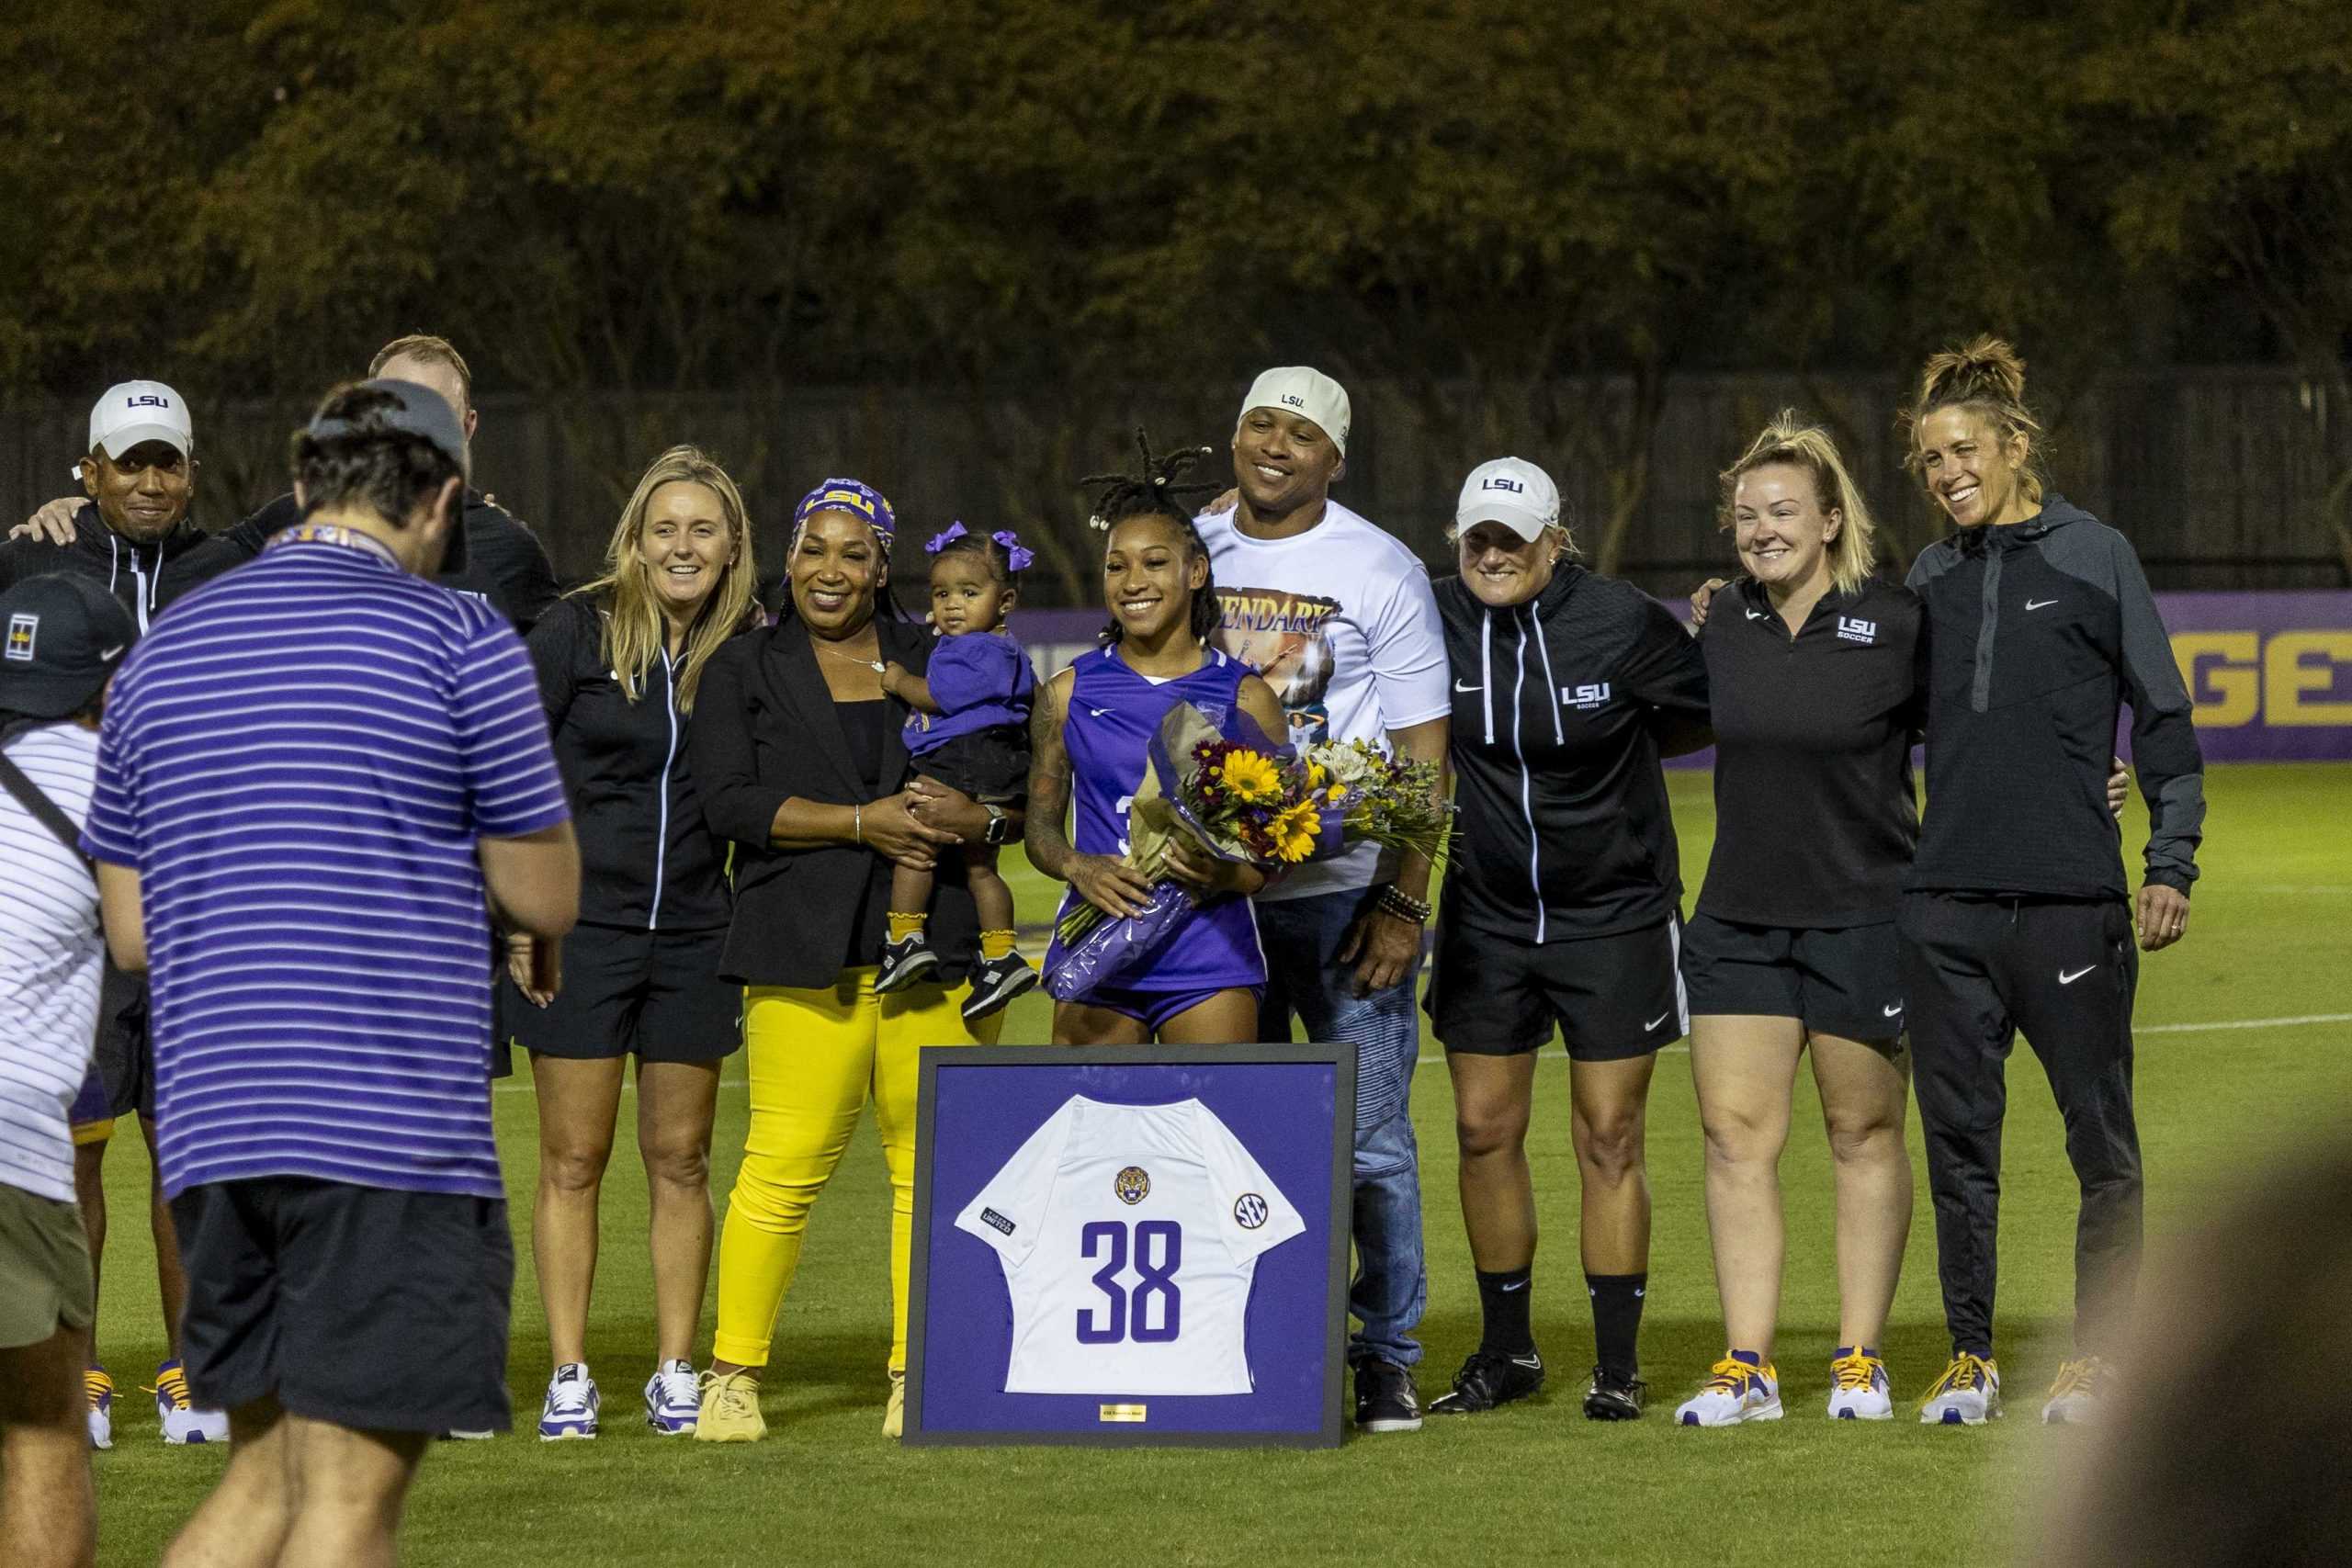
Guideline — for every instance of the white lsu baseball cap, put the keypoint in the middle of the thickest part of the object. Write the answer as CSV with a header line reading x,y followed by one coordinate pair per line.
x,y
1305,391
133,412
1511,491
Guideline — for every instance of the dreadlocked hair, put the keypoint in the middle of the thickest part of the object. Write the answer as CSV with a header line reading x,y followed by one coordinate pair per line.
x,y
1160,489
1985,376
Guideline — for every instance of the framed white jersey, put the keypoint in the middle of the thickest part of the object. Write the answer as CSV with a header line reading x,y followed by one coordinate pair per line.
x,y
1129,1237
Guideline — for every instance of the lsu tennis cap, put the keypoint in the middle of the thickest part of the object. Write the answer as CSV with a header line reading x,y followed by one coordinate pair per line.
x,y
850,496
1305,391
132,412
1511,491
65,636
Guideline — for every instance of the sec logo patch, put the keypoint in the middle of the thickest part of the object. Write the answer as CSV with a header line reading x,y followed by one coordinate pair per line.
x,y
1249,1211
1132,1185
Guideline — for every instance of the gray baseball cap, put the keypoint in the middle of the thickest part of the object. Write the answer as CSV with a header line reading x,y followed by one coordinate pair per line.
x,y
65,636
422,411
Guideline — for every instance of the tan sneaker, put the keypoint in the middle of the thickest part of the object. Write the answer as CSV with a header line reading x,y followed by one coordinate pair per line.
x,y
894,1414
730,1409
2075,1396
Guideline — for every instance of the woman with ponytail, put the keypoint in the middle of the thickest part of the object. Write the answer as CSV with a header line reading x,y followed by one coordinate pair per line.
x,y
2017,914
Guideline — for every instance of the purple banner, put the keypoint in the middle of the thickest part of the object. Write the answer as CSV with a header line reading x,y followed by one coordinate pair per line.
x,y
2271,673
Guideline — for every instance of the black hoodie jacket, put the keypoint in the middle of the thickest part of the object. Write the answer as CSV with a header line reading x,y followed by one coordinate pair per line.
x,y
2038,632
1562,708
132,573
504,561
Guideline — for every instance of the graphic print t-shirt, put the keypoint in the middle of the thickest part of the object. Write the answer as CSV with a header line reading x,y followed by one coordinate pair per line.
x,y
1340,622
1129,1236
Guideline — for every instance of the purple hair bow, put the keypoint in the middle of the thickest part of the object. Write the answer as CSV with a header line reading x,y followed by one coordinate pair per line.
x,y
1017,554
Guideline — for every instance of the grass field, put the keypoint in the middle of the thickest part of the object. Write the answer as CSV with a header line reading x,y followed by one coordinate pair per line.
x,y
2221,1092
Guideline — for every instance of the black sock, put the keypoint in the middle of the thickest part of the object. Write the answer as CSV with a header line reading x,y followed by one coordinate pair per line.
x,y
1502,1299
1617,1320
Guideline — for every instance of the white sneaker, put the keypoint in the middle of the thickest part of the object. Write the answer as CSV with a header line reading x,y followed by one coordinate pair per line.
x,y
571,1407
183,1422
673,1399
1735,1392
1968,1394
2075,1396
1858,1387
99,1390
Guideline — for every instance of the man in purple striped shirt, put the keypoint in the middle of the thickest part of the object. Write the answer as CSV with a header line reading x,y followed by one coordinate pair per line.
x,y
318,778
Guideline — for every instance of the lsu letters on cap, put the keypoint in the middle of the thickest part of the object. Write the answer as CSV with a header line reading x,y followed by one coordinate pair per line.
x,y
64,636
1303,390
1511,491
133,412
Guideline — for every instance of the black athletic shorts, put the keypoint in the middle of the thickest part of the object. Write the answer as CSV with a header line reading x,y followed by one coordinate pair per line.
x,y
1613,998
653,995
990,765
373,1309
1845,982
122,1069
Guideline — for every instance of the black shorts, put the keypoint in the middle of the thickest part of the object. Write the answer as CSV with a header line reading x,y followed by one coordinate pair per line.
x,y
653,995
373,1309
122,1069
1844,981
1613,998
990,765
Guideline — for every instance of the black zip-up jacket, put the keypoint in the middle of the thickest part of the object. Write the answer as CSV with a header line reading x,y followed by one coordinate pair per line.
x,y
503,561
2037,633
648,860
1562,708
132,573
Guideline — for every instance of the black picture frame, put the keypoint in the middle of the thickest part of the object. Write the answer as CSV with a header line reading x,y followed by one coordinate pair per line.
x,y
1341,1059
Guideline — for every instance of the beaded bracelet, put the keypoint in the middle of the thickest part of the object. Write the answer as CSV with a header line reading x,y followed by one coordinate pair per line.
x,y
1404,905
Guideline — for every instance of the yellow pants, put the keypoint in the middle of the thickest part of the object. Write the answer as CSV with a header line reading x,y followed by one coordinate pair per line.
x,y
814,1058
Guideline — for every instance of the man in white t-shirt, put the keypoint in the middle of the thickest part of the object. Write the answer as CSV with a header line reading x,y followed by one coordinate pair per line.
x,y
1338,616
63,635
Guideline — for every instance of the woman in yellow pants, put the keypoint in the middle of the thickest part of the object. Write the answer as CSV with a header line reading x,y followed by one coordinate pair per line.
x,y
798,757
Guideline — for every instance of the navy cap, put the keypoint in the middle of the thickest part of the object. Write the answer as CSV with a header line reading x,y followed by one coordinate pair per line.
x,y
63,635
418,410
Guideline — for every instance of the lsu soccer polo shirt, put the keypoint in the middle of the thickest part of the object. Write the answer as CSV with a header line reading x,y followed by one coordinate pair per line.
x,y
298,760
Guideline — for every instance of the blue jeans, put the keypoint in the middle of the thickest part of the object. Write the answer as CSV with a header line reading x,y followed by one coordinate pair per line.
x,y
1302,938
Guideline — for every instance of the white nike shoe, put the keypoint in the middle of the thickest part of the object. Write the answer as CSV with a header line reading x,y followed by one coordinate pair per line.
x,y
176,1411
2075,1396
1968,1394
673,1399
1735,1392
571,1404
1858,1387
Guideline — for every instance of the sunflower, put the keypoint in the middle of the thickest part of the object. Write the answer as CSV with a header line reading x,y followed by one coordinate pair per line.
x,y
1250,777
1293,831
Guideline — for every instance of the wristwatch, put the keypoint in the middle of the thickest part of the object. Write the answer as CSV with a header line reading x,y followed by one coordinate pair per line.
x,y
999,826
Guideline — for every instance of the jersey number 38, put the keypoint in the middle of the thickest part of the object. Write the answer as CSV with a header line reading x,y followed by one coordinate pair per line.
x,y
1153,1312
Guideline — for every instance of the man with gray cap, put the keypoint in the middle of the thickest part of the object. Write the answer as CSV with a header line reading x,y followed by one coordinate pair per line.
x,y
64,636
1336,615
310,853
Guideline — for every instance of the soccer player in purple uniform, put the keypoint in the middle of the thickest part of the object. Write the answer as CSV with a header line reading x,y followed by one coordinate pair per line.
x,y
1089,733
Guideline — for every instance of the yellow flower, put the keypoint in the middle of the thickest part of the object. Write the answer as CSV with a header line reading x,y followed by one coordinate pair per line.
x,y
1294,832
1316,773
1337,793
1250,778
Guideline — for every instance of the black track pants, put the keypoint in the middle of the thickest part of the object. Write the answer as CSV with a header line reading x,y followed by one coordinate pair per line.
x,y
1976,970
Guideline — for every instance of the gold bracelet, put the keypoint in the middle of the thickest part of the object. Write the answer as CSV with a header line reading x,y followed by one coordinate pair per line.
x,y
857,822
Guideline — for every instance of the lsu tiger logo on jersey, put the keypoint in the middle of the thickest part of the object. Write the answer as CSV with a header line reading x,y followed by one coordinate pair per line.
x,y
1133,1185
21,627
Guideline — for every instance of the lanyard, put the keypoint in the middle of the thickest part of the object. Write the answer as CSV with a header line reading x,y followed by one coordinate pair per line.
x,y
336,534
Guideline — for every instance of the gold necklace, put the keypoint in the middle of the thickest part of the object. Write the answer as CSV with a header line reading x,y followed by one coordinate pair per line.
x,y
876,665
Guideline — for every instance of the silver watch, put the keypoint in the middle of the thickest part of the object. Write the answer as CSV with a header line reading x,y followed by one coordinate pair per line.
x,y
999,826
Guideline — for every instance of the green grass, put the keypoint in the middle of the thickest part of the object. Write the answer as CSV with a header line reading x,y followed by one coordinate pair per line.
x,y
1535,1481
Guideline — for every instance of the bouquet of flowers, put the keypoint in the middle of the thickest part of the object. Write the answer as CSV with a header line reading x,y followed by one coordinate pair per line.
x,y
1242,798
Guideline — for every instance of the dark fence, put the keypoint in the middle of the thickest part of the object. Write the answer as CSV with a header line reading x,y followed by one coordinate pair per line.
x,y
2222,478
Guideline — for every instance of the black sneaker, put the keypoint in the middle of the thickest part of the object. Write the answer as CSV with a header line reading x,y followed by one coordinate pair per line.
x,y
996,981
1386,1400
904,962
1612,1398
1488,1379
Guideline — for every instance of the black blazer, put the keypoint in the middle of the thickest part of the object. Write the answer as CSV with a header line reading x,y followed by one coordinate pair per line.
x,y
765,731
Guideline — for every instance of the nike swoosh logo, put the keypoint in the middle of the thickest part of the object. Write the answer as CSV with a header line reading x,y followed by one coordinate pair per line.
x,y
1655,1022
2066,979
1098,712
110,653
2040,603
1532,1363
1755,614
1459,687
1892,1011
1520,1286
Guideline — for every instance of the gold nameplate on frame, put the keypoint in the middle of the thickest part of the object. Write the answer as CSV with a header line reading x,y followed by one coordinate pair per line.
x,y
1122,1412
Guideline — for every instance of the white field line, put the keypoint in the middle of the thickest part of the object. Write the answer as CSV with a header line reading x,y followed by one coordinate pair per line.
x,y
518,1086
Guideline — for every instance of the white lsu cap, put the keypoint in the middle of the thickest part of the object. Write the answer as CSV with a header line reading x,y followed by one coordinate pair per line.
x,y
133,412
1511,491
1305,391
